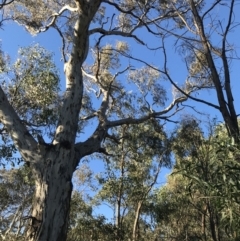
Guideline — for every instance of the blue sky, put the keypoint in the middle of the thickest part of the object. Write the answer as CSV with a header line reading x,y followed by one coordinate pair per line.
x,y
14,36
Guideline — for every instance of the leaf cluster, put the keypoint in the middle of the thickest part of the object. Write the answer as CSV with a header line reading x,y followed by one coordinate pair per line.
x,y
33,86
205,183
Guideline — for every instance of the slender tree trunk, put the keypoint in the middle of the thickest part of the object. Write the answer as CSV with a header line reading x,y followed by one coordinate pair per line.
x,y
204,215
136,220
212,223
119,201
119,197
226,104
118,215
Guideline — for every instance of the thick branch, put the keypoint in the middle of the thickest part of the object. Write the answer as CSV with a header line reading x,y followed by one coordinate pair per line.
x,y
114,32
93,144
226,69
131,120
90,146
54,16
12,123
69,114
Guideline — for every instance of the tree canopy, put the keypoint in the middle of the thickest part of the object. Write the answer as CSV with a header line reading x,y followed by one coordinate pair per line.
x,y
130,68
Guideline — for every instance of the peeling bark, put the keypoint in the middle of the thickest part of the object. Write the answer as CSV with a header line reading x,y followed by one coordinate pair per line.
x,y
53,164
53,187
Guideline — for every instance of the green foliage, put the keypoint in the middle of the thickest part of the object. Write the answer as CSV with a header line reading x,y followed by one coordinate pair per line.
x,y
33,89
30,13
200,64
131,172
135,161
84,226
204,186
16,188
3,61
147,81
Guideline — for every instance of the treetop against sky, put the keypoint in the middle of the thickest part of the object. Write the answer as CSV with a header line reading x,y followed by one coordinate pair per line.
x,y
119,63
176,52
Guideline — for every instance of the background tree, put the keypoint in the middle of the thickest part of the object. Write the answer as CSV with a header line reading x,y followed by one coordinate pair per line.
x,y
16,187
132,170
203,38
84,224
95,89
53,163
200,197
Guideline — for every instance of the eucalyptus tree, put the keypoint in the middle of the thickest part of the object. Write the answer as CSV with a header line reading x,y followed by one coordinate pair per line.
x,y
203,33
16,187
84,224
94,91
132,172
203,186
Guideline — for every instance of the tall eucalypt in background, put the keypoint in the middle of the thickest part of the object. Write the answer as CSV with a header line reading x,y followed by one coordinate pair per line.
x,y
52,164
204,37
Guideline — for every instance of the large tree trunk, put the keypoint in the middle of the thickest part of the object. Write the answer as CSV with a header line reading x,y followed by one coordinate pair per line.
x,y
51,204
53,164
54,169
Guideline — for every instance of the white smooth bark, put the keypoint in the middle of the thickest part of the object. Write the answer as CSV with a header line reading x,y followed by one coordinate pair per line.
x,y
53,181
19,133
53,164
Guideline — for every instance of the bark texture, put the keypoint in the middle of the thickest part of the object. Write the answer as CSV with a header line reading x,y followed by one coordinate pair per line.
x,y
225,98
53,164
51,203
54,172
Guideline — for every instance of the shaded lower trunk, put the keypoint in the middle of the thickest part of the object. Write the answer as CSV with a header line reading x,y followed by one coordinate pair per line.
x,y
118,218
51,202
203,223
119,203
213,225
135,224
